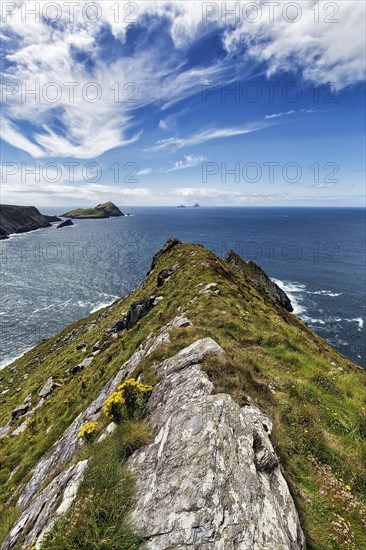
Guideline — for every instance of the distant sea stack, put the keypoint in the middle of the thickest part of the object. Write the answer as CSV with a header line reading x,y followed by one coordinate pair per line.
x,y
105,210
196,205
21,219
181,206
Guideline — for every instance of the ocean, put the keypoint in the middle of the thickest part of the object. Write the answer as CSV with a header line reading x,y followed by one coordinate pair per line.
x,y
50,278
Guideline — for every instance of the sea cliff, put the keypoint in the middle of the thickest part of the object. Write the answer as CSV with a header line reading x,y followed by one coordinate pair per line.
x,y
20,219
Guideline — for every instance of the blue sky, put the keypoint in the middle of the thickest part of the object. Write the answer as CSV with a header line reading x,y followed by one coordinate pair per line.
x,y
178,102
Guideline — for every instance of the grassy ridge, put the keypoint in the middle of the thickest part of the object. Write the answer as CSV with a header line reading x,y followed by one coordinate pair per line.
x,y
315,396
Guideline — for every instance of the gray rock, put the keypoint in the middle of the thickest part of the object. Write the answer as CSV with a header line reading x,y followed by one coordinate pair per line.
x,y
78,368
167,247
80,346
209,289
66,223
4,430
211,478
39,516
137,311
20,429
165,275
64,450
194,354
19,411
48,388
96,346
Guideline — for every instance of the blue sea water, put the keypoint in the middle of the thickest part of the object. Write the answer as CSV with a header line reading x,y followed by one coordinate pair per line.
x,y
50,278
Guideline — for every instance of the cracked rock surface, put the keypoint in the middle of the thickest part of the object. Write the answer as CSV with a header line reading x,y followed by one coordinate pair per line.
x,y
211,478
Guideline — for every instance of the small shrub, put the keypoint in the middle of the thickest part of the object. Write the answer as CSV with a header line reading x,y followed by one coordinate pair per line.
x,y
128,401
88,431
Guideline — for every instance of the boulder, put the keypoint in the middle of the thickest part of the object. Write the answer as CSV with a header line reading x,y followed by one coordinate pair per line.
x,y
137,311
164,276
19,411
78,368
48,388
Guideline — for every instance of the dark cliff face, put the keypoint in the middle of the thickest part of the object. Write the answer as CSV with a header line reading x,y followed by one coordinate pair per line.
x,y
260,279
20,219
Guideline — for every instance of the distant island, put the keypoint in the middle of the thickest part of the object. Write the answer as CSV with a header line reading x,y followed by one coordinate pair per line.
x,y
184,206
196,205
21,219
105,210
181,206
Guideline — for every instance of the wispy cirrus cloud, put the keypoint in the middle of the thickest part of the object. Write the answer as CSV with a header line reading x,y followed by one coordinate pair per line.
x,y
289,113
174,143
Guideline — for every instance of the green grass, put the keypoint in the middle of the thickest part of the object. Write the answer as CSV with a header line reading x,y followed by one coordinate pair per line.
x,y
317,408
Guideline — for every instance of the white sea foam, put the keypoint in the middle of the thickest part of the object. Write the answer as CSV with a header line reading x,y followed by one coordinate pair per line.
x,y
292,288
103,304
5,362
357,320
325,293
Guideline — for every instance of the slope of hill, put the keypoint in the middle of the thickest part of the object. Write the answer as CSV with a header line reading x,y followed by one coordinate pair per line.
x,y
253,436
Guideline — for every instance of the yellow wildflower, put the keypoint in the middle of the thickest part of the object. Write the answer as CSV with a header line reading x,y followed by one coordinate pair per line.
x,y
88,431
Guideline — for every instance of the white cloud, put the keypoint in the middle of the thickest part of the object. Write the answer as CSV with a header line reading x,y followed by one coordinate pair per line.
x,y
39,53
288,113
144,172
12,135
327,46
206,135
189,162
82,193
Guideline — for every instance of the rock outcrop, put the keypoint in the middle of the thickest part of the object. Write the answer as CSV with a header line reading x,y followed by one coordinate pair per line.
x,y
48,388
167,247
66,223
38,506
39,518
211,478
137,311
260,280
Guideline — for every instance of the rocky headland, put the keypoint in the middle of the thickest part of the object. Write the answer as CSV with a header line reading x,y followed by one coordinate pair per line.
x,y
197,412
